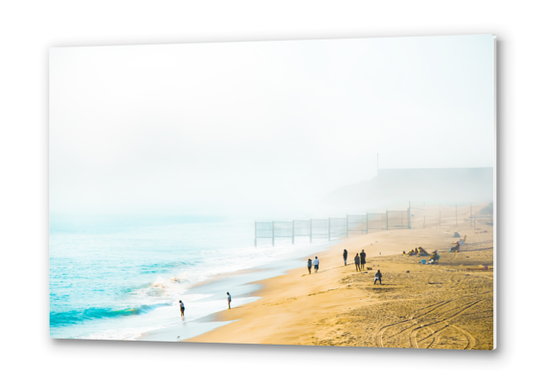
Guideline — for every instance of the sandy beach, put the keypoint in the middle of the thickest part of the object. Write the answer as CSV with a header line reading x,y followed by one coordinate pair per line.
x,y
448,305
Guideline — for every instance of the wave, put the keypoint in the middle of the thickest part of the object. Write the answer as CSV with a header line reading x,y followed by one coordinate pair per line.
x,y
80,315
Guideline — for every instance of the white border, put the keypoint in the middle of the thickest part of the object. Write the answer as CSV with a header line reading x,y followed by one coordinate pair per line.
x,y
28,29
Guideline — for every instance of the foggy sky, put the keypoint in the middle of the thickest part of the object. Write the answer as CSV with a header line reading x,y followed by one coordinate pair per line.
x,y
260,127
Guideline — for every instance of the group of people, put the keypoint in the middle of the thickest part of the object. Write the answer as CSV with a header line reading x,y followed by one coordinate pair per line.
x,y
181,304
315,264
418,251
359,260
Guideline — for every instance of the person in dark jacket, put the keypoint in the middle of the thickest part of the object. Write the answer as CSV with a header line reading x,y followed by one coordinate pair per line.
x,y
362,259
345,256
309,265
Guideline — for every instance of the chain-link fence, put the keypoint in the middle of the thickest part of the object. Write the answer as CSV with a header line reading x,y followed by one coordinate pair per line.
x,y
337,228
418,215
357,224
319,229
330,228
376,222
397,219
449,215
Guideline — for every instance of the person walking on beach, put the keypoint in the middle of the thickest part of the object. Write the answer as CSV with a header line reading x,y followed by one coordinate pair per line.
x,y
378,276
229,300
362,259
181,304
356,261
345,256
309,265
316,264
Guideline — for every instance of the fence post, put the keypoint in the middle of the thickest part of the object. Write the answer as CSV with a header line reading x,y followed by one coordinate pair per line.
x,y
387,217
409,215
273,233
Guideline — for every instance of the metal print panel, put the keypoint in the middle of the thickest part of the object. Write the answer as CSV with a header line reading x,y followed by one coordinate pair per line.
x,y
319,192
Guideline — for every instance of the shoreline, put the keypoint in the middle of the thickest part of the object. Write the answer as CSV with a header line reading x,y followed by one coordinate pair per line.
x,y
246,285
255,288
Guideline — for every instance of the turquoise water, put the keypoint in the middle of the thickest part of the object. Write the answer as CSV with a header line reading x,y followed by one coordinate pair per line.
x,y
115,277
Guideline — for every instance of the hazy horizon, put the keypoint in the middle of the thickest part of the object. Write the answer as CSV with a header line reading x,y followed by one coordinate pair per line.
x,y
260,128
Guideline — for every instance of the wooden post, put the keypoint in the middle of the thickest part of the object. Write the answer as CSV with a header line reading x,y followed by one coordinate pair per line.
x,y
273,233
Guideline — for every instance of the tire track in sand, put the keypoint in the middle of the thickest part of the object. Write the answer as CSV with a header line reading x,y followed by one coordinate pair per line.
x,y
421,324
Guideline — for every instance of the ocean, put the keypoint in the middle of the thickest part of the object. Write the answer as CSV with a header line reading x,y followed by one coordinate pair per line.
x,y
119,277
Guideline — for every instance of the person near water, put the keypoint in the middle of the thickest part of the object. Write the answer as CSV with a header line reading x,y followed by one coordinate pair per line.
x,y
181,304
345,256
309,265
229,300
316,264
356,261
378,276
362,259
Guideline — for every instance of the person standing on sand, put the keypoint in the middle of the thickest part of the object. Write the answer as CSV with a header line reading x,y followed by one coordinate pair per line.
x,y
229,300
316,264
309,265
345,256
362,259
181,304
378,276
356,261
